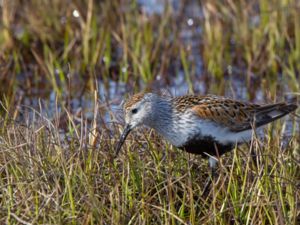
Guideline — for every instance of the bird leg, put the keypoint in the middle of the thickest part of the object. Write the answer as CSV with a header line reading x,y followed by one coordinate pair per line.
x,y
212,163
253,157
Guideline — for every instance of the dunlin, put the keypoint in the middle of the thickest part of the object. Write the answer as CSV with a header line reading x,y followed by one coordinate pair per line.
x,y
205,125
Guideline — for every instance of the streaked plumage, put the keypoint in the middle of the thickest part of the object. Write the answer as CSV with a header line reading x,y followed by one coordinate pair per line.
x,y
206,125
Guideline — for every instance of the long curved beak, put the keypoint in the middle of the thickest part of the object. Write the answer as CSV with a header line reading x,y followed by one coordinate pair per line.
x,y
126,131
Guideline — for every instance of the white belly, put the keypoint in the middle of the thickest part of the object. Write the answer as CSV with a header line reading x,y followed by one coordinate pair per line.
x,y
184,129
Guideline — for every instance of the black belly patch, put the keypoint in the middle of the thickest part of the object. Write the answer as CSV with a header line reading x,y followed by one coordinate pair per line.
x,y
206,146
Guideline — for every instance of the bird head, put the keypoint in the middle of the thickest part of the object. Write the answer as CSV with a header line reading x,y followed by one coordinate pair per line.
x,y
137,111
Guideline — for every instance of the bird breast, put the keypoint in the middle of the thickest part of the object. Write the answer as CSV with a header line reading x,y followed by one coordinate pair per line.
x,y
186,126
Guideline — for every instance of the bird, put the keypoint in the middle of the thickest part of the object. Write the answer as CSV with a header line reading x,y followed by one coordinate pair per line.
x,y
207,125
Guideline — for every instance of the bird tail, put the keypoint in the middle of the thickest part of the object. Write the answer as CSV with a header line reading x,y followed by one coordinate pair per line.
x,y
268,113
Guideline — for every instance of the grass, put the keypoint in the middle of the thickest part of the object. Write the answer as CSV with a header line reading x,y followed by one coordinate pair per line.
x,y
57,133
50,178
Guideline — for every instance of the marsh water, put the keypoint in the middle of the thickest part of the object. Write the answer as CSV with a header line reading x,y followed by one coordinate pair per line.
x,y
236,81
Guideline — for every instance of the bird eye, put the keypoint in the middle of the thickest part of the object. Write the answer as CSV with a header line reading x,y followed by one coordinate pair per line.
x,y
134,111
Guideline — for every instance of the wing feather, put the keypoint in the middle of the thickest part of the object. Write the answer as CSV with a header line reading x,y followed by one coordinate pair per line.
x,y
237,116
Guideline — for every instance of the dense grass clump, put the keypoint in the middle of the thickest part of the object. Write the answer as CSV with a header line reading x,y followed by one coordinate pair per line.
x,y
65,66
50,176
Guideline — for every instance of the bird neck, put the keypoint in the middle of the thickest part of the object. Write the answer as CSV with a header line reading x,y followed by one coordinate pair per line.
x,y
165,120
161,114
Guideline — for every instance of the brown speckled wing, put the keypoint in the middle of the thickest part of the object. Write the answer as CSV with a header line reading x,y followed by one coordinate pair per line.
x,y
237,116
